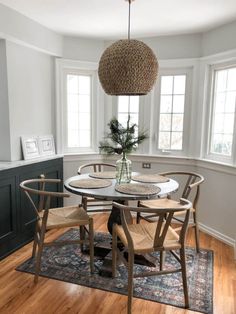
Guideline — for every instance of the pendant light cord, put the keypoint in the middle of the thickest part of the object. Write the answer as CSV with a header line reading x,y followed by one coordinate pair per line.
x,y
129,20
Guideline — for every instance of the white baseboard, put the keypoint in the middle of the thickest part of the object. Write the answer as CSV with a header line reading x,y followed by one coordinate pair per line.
x,y
220,236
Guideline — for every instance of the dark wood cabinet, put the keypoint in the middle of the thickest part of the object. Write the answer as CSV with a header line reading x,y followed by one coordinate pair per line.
x,y
17,216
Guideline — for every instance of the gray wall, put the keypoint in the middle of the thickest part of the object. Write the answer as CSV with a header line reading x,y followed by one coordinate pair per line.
x,y
176,47
5,149
82,49
30,81
20,29
220,39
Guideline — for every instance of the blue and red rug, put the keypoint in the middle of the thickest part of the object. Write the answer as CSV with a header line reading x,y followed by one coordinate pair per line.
x,y
68,264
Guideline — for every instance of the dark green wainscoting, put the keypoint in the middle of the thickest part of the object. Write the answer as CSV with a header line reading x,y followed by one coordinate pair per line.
x,y
17,217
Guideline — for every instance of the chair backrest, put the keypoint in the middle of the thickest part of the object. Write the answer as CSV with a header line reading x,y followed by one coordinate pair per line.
x,y
190,189
95,167
44,197
165,216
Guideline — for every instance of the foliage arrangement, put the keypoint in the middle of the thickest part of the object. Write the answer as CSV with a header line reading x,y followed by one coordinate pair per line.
x,y
120,139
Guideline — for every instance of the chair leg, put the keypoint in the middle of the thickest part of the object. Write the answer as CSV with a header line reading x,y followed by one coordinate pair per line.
x,y
184,276
91,245
39,255
114,252
196,230
82,237
162,259
35,240
130,281
138,218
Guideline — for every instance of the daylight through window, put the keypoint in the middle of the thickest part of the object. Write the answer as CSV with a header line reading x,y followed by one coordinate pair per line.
x,y
78,110
128,105
224,98
171,120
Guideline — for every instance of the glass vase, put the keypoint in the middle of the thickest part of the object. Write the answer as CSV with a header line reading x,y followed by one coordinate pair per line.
x,y
123,170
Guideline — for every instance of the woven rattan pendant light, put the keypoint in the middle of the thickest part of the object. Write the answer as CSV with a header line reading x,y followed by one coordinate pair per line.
x,y
128,67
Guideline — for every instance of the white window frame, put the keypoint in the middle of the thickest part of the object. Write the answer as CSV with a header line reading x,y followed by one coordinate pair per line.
x,y
210,113
187,110
63,68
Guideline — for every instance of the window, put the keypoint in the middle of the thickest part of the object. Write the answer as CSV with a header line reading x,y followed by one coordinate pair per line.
x,y
171,118
223,113
78,110
77,117
128,105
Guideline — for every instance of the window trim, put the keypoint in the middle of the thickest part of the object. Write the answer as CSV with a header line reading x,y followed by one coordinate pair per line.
x,y
231,160
188,71
64,67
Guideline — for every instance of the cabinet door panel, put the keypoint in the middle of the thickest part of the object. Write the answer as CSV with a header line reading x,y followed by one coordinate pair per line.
x,y
8,218
27,213
54,174
17,215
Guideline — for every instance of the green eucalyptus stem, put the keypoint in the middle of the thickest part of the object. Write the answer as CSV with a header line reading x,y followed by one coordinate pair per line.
x,y
122,140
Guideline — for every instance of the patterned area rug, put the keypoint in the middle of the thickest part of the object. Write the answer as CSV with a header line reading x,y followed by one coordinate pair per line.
x,y
68,264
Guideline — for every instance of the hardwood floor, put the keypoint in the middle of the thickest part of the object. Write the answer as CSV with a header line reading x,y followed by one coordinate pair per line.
x,y
18,293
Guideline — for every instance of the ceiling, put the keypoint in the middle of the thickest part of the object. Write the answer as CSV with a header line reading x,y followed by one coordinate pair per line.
x,y
107,19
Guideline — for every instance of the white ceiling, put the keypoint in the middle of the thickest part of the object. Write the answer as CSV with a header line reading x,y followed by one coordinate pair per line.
x,y
107,19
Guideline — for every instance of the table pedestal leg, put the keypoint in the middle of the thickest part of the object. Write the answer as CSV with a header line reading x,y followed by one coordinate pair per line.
x,y
114,217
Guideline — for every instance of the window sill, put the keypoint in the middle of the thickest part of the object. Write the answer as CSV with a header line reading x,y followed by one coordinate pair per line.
x,y
159,159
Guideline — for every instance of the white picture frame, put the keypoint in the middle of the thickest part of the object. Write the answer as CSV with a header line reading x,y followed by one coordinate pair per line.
x,y
46,145
30,147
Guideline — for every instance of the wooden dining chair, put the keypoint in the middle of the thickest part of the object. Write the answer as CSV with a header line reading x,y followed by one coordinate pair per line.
x,y
55,218
149,237
189,189
92,204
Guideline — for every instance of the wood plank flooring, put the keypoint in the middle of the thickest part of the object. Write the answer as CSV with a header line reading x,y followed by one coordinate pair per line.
x,y
19,295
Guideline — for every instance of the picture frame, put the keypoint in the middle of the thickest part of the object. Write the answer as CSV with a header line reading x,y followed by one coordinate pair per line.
x,y
30,147
46,145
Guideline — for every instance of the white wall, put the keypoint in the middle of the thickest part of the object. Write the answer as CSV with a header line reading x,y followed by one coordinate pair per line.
x,y
26,80
82,49
217,212
176,47
219,39
20,29
5,148
30,81
173,47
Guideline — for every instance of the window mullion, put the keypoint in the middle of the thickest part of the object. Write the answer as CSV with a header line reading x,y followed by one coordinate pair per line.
x,y
171,115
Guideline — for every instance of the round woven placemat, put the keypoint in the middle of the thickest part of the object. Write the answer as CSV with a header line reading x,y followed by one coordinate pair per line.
x,y
103,175
137,189
150,178
90,183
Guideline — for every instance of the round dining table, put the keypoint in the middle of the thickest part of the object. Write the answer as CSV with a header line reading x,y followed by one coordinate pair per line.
x,y
110,193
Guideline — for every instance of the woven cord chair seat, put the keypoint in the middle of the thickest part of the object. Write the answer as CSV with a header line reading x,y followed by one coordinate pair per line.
x,y
189,189
163,203
66,217
146,238
56,218
143,237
